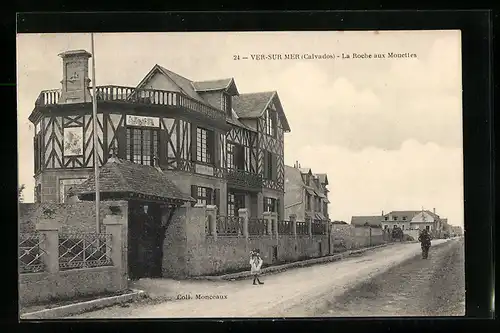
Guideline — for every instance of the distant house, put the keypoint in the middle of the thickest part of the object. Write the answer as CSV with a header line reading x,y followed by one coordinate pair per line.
x,y
414,220
367,221
306,194
456,230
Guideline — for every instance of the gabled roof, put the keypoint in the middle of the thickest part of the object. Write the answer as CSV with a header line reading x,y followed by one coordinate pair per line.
x,y
215,85
121,176
305,170
423,217
184,85
323,179
253,105
372,221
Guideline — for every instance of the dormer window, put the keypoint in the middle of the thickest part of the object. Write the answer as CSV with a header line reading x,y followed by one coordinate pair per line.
x,y
271,122
226,104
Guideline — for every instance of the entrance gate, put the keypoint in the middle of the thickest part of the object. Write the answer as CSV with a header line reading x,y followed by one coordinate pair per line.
x,y
145,241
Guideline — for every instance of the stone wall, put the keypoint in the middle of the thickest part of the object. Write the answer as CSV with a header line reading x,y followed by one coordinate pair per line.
x,y
75,217
35,288
55,284
189,251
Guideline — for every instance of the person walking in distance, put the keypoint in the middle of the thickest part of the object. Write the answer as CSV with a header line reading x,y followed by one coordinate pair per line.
x,y
255,265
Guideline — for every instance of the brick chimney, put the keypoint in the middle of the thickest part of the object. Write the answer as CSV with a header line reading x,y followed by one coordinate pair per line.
x,y
434,210
75,82
382,213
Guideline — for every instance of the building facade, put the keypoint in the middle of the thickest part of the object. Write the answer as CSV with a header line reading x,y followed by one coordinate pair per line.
x,y
306,194
405,220
217,145
413,220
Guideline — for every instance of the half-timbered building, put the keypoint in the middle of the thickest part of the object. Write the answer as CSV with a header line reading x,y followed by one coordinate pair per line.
x,y
306,194
216,145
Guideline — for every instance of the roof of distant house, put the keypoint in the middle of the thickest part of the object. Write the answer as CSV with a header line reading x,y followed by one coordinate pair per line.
x,y
409,214
121,176
372,221
323,179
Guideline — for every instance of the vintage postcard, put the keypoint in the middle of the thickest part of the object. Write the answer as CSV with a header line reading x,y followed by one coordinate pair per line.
x,y
240,174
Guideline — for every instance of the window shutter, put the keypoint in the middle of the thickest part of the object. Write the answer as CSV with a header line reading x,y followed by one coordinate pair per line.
x,y
194,193
278,203
274,167
162,147
121,135
216,148
193,141
266,163
217,199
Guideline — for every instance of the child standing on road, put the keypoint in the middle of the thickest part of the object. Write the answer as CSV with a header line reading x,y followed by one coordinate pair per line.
x,y
255,265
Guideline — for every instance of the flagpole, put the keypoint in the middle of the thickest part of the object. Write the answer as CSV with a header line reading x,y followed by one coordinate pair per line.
x,y
96,141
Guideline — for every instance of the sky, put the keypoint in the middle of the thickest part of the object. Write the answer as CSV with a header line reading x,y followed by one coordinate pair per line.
x,y
388,132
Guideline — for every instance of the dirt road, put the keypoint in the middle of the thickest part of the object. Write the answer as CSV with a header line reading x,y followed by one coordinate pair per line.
x,y
433,287
296,292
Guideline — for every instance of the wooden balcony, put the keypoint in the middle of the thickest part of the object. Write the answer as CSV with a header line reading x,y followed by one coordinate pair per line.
x,y
139,96
243,179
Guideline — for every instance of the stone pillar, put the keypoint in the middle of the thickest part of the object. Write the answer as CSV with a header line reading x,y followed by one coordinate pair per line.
x,y
293,221
260,204
267,217
309,227
49,230
211,212
274,218
243,213
114,225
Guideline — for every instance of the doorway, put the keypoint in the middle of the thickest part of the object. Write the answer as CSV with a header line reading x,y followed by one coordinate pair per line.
x,y
235,201
145,240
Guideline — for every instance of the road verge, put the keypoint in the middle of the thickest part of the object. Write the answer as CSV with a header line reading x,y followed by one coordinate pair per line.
x,y
80,307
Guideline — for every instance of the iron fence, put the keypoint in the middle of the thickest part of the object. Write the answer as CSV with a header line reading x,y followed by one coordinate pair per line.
x,y
284,227
229,225
84,250
318,228
31,253
257,227
302,228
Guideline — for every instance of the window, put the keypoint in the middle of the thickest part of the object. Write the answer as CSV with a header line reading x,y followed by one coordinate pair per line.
x,y
235,156
234,203
270,165
404,218
204,145
204,195
386,218
226,104
325,208
271,122
38,150
395,218
142,145
269,204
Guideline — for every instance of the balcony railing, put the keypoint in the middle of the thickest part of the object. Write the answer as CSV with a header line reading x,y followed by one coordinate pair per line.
x,y
243,178
139,96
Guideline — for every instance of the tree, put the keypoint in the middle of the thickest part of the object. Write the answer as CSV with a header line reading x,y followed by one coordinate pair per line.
x,y
20,190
